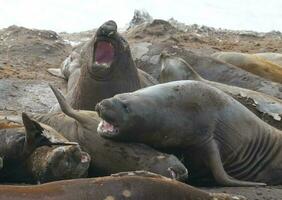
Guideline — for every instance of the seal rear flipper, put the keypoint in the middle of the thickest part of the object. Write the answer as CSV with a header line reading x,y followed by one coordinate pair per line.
x,y
56,72
67,109
213,161
36,136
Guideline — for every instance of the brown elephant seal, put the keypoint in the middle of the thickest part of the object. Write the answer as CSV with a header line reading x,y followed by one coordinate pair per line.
x,y
253,64
107,68
68,66
109,156
17,143
130,185
266,107
147,56
272,57
222,141
38,153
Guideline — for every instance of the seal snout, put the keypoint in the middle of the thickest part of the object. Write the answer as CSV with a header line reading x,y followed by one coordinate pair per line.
x,y
108,126
108,29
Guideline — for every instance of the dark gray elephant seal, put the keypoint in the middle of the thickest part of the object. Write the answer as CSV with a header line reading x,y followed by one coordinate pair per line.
x,y
266,107
208,67
107,68
109,156
222,141
130,185
20,145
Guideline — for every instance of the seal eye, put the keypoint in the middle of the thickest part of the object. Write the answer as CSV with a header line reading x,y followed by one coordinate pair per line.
x,y
125,107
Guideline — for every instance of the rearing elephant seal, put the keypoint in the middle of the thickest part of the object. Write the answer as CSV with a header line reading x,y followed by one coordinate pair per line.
x,y
219,137
107,68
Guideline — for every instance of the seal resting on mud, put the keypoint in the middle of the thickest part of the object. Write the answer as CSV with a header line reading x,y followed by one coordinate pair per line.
x,y
266,107
252,63
20,145
107,68
221,140
129,185
109,156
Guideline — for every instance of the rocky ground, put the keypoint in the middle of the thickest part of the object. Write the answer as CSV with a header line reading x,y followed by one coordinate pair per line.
x,y
25,55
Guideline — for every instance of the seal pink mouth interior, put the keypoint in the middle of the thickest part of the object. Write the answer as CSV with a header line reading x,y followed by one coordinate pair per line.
x,y
107,128
104,52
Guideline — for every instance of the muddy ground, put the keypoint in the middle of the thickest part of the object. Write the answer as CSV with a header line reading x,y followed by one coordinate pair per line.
x,y
25,56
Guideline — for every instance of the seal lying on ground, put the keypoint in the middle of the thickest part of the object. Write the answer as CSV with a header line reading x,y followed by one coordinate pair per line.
x,y
109,157
129,185
253,64
107,68
219,137
273,57
17,144
208,67
266,107
26,159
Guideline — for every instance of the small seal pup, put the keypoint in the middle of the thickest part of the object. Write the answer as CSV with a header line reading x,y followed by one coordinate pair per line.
x,y
137,185
253,64
109,157
266,107
222,141
106,68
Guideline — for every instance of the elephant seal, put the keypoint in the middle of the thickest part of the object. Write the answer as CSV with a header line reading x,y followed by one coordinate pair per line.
x,y
219,137
129,185
266,107
68,66
107,68
109,156
253,64
208,67
37,153
272,57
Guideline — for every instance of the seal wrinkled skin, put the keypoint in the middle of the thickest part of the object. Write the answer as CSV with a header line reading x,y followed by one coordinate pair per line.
x,y
130,185
218,136
23,159
107,68
109,157
266,107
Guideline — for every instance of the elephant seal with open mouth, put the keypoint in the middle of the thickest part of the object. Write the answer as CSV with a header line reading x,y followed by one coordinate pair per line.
x,y
222,141
109,157
106,68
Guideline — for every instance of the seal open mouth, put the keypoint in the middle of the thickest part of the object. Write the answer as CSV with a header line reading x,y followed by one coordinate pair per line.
x,y
104,53
107,129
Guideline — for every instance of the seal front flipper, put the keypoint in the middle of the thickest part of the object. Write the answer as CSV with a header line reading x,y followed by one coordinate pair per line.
x,y
213,161
56,72
37,136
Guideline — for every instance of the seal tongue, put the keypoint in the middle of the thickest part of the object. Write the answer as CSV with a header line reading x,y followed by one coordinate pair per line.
x,y
106,127
104,52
